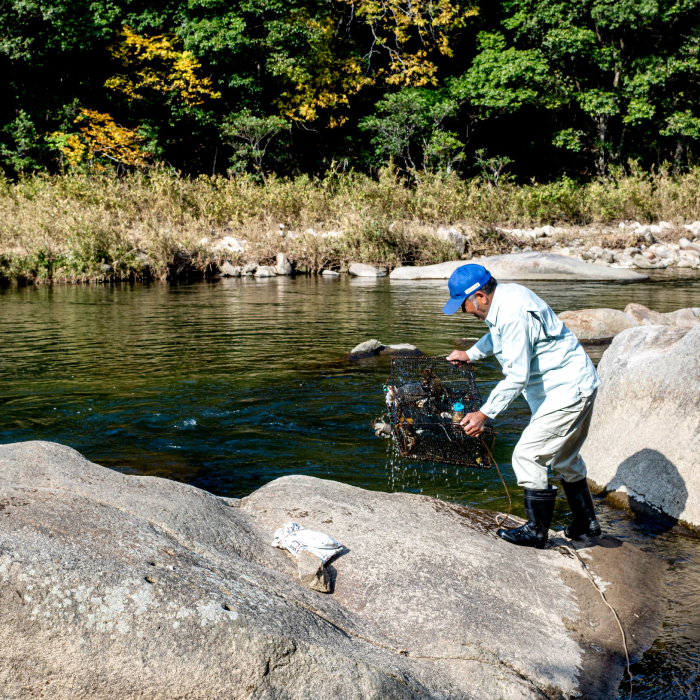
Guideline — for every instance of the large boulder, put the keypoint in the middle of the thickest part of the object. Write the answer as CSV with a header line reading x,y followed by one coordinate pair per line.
x,y
644,316
362,270
524,266
116,586
645,432
597,325
683,318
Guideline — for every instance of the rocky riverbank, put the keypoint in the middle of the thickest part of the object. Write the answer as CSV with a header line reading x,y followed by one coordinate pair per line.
x,y
140,587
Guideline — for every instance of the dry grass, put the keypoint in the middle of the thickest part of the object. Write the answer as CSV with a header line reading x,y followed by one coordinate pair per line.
x,y
66,227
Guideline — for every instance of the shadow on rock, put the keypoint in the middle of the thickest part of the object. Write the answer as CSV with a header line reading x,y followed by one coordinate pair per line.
x,y
645,471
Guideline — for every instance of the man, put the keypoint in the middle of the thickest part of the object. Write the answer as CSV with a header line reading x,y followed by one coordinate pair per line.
x,y
542,359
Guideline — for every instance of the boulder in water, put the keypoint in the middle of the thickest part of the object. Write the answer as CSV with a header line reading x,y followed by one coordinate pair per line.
x,y
228,270
282,265
643,440
265,271
524,266
597,325
371,348
117,586
361,270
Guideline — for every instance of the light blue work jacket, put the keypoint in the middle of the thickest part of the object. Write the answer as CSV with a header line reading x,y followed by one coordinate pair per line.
x,y
541,358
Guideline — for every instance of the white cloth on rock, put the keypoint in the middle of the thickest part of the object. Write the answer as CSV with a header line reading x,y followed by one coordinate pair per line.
x,y
295,538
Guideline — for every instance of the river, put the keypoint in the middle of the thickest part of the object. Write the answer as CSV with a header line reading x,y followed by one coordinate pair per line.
x,y
229,384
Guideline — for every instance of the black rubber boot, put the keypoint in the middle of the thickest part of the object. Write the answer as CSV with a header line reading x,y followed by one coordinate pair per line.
x,y
539,507
581,503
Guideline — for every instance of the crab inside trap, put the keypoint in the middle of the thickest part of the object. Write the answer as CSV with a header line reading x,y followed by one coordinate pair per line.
x,y
426,399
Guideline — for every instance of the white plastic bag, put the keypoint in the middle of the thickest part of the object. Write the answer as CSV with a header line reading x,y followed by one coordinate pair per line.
x,y
294,539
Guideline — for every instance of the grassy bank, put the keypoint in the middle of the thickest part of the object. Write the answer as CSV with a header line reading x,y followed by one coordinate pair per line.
x,y
68,227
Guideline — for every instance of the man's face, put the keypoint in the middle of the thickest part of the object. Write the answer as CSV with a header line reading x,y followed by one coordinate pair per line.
x,y
480,307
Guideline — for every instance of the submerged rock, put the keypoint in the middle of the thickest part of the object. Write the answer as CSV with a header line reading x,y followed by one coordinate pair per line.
x,y
330,273
524,266
369,348
117,586
361,270
643,440
373,347
591,325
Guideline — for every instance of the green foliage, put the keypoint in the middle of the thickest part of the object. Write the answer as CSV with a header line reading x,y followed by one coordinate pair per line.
x,y
558,86
20,145
410,127
252,137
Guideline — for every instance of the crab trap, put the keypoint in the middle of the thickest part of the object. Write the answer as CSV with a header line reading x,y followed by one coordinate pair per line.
x,y
427,397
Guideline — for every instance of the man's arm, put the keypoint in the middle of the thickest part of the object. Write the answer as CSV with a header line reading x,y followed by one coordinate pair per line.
x,y
481,349
517,351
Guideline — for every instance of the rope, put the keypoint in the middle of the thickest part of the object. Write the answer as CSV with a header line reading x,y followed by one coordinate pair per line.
x,y
585,570
505,488
576,556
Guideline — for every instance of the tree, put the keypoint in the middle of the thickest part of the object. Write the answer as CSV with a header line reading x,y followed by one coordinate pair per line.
x,y
410,127
616,74
252,136
100,142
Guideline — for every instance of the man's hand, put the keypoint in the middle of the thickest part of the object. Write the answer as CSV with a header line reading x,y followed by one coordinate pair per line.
x,y
457,356
473,423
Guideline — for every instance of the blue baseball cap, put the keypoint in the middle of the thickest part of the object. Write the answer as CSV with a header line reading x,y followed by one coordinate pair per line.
x,y
463,282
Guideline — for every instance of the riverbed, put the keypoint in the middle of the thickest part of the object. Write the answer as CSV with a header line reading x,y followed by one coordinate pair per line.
x,y
229,384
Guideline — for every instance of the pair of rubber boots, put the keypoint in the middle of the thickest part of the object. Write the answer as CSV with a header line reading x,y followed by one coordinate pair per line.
x,y
539,507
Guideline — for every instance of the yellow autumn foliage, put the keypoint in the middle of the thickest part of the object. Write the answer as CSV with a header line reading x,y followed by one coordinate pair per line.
x,y
153,63
323,81
409,31
98,138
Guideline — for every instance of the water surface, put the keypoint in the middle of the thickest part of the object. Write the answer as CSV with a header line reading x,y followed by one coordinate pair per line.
x,y
230,384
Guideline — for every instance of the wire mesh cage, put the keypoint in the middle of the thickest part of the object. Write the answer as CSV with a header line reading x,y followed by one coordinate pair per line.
x,y
426,399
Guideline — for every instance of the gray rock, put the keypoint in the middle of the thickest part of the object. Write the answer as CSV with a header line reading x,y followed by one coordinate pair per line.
x,y
632,251
452,235
590,325
624,259
646,317
361,270
401,350
642,262
265,271
523,266
312,573
683,318
369,348
228,270
107,269
282,265
249,269
116,586
643,442
330,273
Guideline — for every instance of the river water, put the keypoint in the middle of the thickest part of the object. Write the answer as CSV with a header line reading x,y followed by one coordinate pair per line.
x,y
229,384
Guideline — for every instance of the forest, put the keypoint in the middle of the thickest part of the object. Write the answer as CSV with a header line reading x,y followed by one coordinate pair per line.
x,y
517,90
